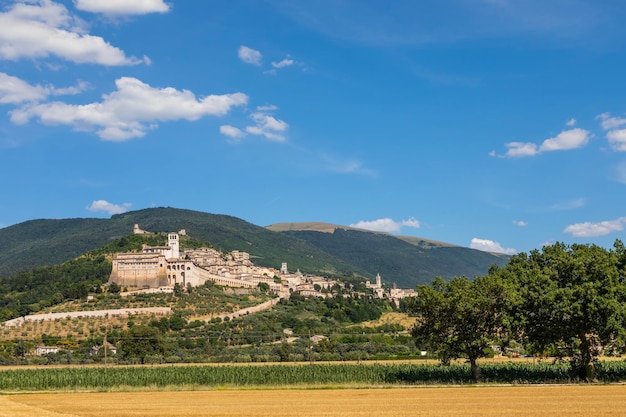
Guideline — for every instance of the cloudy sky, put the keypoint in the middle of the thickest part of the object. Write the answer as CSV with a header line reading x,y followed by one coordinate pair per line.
x,y
493,124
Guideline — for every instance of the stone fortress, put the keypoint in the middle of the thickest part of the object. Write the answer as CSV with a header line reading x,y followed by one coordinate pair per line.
x,y
160,268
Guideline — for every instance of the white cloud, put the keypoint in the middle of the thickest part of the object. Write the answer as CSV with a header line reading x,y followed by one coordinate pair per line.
x,y
122,7
521,149
566,140
486,245
609,122
571,122
105,206
14,90
267,126
131,110
386,225
43,28
520,223
284,63
269,107
411,222
589,229
617,139
232,131
249,55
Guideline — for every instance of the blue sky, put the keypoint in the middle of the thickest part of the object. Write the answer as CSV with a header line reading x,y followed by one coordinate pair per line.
x,y
493,124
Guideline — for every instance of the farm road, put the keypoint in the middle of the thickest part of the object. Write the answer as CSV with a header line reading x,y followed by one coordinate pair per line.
x,y
250,310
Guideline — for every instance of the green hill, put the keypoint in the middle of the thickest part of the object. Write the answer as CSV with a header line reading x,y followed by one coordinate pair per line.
x,y
397,260
48,242
336,251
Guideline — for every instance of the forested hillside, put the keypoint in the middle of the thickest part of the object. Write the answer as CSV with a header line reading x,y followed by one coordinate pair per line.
x,y
404,261
48,242
398,261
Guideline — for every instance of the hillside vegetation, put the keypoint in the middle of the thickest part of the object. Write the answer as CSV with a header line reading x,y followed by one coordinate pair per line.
x,y
47,242
397,260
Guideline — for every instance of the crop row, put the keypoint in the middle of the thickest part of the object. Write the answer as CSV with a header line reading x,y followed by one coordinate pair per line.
x,y
284,375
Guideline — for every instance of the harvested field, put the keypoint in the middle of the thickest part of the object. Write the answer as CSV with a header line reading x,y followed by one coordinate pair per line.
x,y
526,401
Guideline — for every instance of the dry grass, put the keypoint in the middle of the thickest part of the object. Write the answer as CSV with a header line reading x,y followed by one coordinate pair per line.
x,y
392,318
514,401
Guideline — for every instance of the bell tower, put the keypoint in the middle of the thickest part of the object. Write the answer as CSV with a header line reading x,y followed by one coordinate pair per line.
x,y
172,242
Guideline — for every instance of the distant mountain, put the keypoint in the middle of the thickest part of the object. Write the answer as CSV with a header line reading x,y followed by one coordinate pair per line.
x,y
335,250
404,260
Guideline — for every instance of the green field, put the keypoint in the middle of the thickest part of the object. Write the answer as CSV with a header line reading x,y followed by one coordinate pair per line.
x,y
288,375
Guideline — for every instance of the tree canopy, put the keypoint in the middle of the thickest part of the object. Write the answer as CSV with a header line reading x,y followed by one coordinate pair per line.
x,y
567,301
461,318
571,302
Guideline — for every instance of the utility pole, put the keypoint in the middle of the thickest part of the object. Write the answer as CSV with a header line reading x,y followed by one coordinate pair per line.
x,y
104,346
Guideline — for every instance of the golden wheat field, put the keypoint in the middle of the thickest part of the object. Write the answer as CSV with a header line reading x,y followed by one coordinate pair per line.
x,y
514,401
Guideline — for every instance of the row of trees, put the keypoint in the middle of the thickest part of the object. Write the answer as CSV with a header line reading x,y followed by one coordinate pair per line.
x,y
565,301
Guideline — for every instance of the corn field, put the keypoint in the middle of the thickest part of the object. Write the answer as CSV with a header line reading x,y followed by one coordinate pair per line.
x,y
99,378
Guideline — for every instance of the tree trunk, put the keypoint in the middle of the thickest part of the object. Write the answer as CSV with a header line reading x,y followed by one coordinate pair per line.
x,y
475,369
587,370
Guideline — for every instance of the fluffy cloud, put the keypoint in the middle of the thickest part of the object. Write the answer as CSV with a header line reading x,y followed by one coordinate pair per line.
x,y
105,206
609,122
131,110
617,139
232,131
571,122
14,90
249,55
566,140
486,245
284,63
44,28
520,223
589,229
386,225
267,126
122,7
521,149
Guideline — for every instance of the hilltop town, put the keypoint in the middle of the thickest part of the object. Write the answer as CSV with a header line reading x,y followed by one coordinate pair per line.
x,y
161,268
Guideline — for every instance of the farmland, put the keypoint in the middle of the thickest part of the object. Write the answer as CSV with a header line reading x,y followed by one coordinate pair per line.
x,y
324,375
482,401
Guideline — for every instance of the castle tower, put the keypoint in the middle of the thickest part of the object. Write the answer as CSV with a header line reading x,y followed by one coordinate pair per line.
x,y
379,282
172,242
283,269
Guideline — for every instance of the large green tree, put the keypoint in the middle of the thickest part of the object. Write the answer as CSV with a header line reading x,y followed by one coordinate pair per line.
x,y
141,341
461,318
571,301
